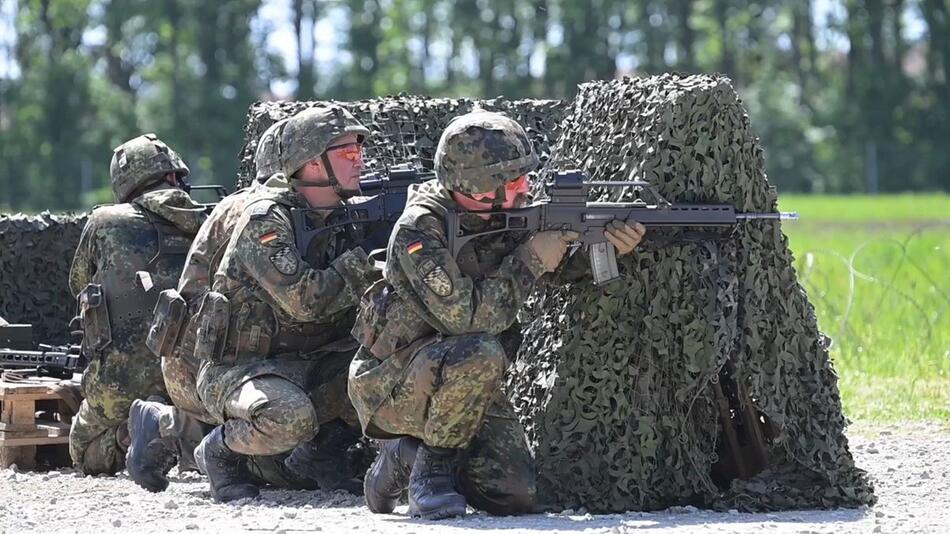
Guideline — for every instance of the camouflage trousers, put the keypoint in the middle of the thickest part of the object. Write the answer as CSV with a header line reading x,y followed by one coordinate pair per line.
x,y
188,422
450,396
98,437
281,402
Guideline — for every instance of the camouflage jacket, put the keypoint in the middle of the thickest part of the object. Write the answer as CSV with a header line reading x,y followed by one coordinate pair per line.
x,y
281,302
209,245
428,293
130,252
480,291
202,261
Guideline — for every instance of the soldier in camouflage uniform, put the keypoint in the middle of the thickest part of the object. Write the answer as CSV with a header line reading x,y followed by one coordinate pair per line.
x,y
430,368
162,434
127,254
273,335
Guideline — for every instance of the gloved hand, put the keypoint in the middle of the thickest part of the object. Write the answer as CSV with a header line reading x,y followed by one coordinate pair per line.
x,y
625,235
549,247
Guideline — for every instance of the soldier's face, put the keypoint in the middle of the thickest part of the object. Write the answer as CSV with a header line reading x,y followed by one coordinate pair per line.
x,y
346,156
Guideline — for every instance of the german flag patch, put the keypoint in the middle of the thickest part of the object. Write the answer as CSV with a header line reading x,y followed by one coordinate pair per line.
x,y
268,237
414,247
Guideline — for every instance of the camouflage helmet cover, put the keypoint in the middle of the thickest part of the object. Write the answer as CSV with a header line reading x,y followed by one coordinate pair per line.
x,y
266,156
140,161
306,135
481,151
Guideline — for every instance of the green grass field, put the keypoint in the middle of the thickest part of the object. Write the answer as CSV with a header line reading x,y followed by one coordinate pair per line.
x,y
876,270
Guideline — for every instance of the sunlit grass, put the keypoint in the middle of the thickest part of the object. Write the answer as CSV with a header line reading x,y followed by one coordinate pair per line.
x,y
877,271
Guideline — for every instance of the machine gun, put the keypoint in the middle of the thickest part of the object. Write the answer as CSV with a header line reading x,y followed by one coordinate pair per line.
x,y
59,361
568,209
385,203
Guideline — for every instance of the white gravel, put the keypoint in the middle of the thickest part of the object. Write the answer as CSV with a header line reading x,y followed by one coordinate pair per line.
x,y
910,465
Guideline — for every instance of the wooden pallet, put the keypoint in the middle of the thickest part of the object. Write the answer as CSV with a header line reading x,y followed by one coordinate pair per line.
x,y
22,429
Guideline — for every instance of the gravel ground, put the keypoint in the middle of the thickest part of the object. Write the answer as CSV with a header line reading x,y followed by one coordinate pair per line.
x,y
910,465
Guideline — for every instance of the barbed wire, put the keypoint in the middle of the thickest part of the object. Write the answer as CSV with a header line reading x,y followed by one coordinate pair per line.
x,y
820,283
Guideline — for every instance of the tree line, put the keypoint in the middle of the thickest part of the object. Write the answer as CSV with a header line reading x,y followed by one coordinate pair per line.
x,y
847,95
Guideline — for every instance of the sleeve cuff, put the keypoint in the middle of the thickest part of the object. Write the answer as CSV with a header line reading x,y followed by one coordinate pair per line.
x,y
530,261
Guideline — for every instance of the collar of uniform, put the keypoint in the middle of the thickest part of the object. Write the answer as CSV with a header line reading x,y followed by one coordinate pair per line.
x,y
286,194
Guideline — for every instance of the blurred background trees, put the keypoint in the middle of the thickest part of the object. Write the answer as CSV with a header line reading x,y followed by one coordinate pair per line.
x,y
847,95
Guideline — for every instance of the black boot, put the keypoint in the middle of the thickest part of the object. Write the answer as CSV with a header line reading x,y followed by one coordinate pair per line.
x,y
432,493
388,477
323,459
150,456
225,468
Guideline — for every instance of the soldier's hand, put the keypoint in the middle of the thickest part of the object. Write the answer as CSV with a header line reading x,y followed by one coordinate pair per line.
x,y
625,235
551,246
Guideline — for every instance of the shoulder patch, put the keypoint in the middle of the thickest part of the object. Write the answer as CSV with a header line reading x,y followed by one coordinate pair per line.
x,y
259,209
438,281
285,260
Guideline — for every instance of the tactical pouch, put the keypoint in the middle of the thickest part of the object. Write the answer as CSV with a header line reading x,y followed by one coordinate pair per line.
x,y
168,320
253,336
213,318
386,323
94,313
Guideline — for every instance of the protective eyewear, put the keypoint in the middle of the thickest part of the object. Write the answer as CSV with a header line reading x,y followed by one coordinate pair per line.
x,y
512,188
349,151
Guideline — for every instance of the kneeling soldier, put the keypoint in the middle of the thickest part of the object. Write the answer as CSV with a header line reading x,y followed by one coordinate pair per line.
x,y
273,335
431,366
127,255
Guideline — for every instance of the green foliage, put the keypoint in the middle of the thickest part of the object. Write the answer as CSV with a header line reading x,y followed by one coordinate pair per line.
x,y
845,97
875,269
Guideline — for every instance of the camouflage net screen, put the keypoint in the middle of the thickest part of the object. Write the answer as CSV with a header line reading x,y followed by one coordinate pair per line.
x,y
37,251
618,386
407,128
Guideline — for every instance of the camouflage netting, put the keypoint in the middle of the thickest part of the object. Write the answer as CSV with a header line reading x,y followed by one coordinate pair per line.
x,y
616,386
34,272
407,128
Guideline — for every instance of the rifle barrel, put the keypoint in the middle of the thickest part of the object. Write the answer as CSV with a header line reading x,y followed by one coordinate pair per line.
x,y
781,215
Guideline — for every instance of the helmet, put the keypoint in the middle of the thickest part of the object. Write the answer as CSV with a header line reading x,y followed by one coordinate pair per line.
x,y
306,135
141,161
266,157
482,151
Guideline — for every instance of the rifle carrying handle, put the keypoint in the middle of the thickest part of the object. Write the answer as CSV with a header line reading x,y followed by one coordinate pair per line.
x,y
603,263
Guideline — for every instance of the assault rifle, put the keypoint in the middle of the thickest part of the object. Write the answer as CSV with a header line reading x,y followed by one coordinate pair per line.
x,y
59,361
569,209
387,200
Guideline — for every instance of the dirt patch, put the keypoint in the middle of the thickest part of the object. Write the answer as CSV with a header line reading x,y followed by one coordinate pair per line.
x,y
908,463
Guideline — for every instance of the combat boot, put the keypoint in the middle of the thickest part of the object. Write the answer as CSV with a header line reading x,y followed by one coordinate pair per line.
x,y
388,477
432,493
150,456
226,469
323,459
